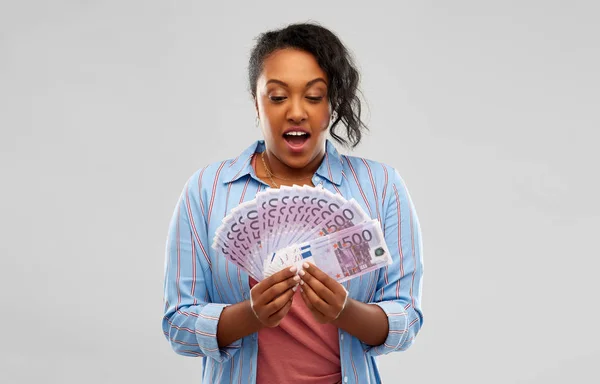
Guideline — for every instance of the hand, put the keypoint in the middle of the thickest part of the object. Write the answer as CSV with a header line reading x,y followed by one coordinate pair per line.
x,y
325,297
271,299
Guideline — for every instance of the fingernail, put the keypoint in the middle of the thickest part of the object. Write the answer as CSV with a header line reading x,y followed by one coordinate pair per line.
x,y
293,269
301,273
301,282
296,278
295,287
305,265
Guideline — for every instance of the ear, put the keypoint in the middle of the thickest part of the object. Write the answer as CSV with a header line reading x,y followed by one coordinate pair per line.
x,y
256,106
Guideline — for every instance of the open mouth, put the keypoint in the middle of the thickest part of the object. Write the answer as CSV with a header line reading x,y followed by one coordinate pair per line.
x,y
296,138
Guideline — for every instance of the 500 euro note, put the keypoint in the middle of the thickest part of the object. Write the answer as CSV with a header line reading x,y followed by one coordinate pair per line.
x,y
342,255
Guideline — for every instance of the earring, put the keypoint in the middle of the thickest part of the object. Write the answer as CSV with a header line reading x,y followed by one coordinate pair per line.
x,y
333,118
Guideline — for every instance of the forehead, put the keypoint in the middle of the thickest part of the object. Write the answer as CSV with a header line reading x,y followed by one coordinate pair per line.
x,y
292,66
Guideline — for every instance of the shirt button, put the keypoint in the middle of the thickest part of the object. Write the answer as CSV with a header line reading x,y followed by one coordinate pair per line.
x,y
342,337
345,379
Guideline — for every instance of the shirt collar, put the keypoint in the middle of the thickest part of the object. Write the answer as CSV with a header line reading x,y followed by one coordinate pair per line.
x,y
330,168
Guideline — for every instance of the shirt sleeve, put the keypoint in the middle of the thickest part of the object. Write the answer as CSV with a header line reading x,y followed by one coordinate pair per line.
x,y
399,285
190,317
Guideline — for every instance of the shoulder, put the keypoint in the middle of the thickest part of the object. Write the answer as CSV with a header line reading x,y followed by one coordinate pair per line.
x,y
374,179
209,176
364,170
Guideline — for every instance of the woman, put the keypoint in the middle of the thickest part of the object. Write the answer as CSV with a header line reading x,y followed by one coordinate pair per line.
x,y
304,85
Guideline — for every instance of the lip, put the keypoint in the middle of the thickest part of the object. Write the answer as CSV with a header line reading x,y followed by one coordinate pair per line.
x,y
296,148
296,129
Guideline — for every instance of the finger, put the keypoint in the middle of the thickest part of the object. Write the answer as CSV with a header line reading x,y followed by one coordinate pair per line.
x,y
276,278
277,289
320,289
307,301
279,302
318,315
324,278
316,301
280,314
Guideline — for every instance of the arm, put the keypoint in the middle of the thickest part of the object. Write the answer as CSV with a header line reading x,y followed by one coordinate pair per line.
x,y
399,285
191,319
325,298
236,322
194,325
271,300
393,320
368,323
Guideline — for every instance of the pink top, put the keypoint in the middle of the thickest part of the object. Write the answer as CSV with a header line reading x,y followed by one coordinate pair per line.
x,y
299,350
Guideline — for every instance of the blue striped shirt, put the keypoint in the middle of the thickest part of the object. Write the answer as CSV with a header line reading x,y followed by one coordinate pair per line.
x,y
200,282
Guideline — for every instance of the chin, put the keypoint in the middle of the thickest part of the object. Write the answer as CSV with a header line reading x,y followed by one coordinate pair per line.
x,y
297,162
296,157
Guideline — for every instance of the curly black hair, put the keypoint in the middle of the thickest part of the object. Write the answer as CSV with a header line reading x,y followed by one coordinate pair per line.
x,y
335,60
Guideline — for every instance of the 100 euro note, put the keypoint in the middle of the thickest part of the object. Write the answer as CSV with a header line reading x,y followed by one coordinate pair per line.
x,y
342,255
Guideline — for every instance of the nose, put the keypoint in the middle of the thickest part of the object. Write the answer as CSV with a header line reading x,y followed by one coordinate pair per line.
x,y
296,112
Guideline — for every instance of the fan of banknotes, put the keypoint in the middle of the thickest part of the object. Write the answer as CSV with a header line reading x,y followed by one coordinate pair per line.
x,y
291,225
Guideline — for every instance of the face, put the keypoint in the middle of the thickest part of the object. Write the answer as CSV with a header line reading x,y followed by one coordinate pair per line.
x,y
293,107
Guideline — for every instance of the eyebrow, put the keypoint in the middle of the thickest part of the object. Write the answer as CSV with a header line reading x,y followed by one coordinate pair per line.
x,y
318,79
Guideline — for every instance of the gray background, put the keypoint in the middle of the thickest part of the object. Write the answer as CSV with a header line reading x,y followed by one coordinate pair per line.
x,y
488,109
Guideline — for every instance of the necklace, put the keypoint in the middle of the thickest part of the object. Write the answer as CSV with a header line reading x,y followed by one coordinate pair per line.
x,y
270,174
268,171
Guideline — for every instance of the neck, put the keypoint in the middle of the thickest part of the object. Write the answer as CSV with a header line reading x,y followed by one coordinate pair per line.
x,y
280,169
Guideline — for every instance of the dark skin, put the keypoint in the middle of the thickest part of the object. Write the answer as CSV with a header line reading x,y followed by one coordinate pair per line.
x,y
292,92
272,299
325,297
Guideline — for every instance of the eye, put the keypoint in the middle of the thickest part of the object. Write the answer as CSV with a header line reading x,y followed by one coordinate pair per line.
x,y
315,99
277,99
